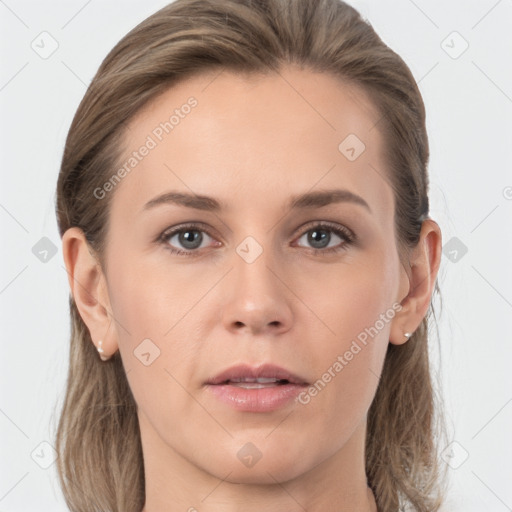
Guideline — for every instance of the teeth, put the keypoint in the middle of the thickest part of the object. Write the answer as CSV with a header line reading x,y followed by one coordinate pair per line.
x,y
254,385
260,380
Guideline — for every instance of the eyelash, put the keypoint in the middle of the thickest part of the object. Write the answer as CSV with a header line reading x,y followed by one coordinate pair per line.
x,y
342,232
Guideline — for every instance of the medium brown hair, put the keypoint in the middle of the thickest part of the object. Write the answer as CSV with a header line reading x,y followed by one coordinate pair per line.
x,y
100,462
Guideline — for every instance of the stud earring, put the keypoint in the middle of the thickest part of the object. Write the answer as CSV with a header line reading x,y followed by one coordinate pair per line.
x,y
407,335
101,351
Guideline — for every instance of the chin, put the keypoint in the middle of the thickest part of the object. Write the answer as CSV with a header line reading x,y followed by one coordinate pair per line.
x,y
263,474
259,463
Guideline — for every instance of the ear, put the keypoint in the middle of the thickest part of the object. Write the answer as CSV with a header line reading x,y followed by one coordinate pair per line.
x,y
419,281
89,289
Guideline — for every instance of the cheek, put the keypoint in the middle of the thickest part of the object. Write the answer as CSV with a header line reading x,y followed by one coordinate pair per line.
x,y
150,306
149,300
355,303
157,314
351,297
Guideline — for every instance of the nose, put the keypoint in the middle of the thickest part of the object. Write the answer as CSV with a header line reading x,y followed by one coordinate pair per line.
x,y
257,298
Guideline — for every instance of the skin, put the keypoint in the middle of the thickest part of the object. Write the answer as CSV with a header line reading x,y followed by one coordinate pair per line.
x,y
252,142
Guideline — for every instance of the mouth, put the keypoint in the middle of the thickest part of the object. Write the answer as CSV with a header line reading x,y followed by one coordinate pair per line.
x,y
259,383
265,375
264,388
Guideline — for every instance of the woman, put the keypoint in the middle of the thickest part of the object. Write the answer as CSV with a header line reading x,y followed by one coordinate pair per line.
x,y
243,205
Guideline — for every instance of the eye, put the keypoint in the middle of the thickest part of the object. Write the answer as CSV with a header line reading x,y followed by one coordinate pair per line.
x,y
192,237
321,235
189,237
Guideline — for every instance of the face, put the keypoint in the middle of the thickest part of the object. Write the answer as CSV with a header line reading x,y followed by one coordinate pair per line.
x,y
254,229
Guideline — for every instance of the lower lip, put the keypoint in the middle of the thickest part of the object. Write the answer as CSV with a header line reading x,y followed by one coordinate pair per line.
x,y
264,399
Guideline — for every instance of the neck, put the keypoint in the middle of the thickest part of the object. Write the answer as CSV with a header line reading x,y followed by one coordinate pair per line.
x,y
174,484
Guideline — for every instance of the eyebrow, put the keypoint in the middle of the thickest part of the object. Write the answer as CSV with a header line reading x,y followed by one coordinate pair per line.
x,y
308,200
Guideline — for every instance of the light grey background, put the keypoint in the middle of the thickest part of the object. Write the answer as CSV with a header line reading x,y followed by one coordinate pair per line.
x,y
469,107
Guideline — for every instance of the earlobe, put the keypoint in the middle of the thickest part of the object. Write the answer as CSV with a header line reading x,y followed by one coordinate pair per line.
x,y
425,261
88,288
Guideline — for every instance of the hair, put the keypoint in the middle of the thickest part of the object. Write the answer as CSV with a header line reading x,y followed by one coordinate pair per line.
x,y
100,463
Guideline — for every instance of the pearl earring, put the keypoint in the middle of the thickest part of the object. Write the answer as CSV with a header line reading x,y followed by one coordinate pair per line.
x,y
407,335
101,351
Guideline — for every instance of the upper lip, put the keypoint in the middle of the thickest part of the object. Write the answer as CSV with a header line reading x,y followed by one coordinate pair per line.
x,y
245,371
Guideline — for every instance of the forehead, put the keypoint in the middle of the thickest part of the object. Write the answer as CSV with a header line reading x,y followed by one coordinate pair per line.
x,y
252,139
